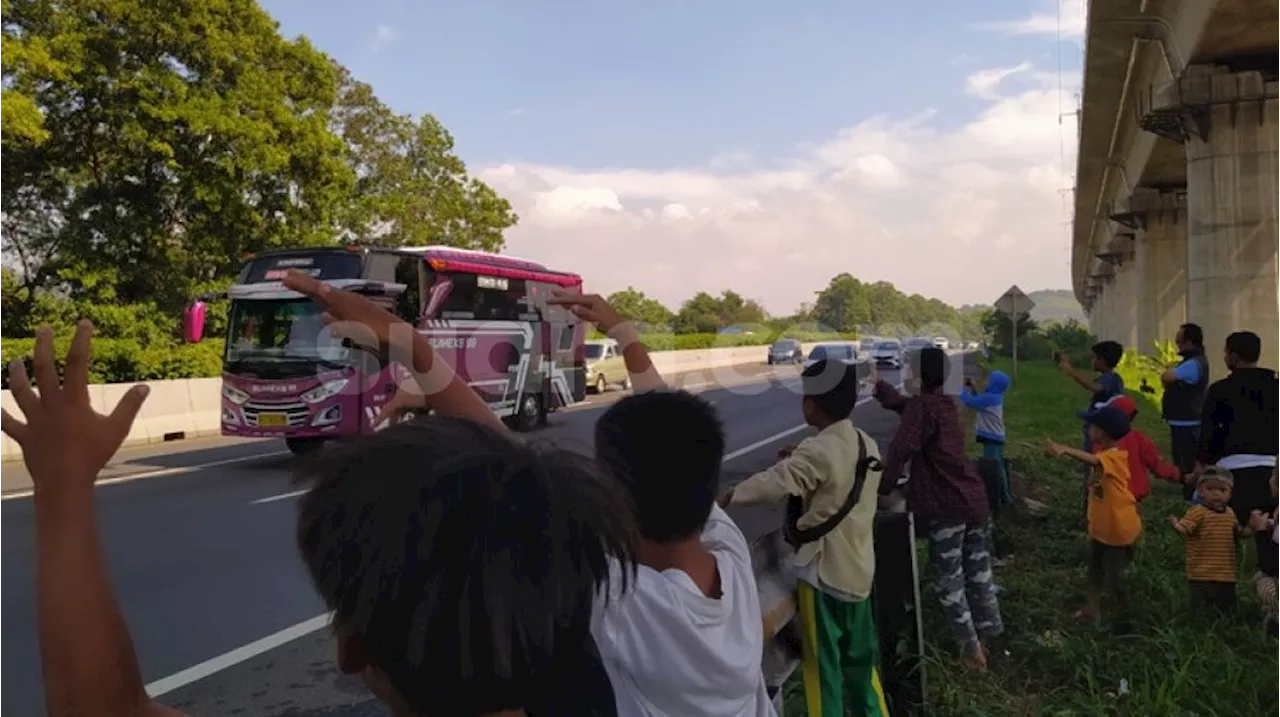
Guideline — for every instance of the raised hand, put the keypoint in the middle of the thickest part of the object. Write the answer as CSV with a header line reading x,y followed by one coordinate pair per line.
x,y
588,307
65,443
352,316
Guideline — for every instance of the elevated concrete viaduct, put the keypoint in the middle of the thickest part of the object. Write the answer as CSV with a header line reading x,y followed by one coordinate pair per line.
x,y
1176,194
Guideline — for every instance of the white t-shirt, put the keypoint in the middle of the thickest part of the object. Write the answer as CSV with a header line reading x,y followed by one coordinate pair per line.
x,y
673,652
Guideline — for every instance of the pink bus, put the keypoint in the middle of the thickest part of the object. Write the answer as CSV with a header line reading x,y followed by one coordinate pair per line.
x,y
284,376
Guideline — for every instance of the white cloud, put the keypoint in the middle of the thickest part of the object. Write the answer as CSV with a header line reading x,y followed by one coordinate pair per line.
x,y
1068,19
517,112
984,83
384,35
959,211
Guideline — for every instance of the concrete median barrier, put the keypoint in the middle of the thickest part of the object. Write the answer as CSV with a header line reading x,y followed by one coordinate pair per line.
x,y
187,408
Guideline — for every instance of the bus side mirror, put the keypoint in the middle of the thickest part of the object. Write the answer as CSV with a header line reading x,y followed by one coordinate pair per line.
x,y
193,323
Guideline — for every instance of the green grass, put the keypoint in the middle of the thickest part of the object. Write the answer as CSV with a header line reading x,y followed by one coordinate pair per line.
x,y
1173,663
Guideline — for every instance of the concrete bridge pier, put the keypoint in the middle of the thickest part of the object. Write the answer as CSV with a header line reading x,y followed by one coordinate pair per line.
x,y
1161,260
1232,202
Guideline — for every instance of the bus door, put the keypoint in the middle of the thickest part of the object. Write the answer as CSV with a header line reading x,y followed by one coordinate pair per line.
x,y
562,341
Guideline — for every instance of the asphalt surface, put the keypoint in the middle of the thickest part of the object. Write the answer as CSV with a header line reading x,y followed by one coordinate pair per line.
x,y
223,618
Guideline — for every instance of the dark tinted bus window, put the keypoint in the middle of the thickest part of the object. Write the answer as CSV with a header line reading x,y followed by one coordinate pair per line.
x,y
409,272
487,298
322,265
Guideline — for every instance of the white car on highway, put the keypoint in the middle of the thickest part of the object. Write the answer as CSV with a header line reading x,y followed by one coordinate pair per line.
x,y
887,353
941,342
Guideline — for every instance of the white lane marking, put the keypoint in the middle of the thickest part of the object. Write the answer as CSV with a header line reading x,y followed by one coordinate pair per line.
x,y
247,652
236,656
282,496
779,436
179,470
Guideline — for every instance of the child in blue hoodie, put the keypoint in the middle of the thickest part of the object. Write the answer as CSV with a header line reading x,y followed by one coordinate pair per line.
x,y
989,406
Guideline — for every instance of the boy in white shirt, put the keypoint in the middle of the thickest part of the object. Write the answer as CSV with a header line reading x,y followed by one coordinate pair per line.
x,y
686,639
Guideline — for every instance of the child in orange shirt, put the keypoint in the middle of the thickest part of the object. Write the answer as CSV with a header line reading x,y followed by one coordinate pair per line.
x,y
1114,523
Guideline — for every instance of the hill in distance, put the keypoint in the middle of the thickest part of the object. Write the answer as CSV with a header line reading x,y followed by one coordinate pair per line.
x,y
1051,305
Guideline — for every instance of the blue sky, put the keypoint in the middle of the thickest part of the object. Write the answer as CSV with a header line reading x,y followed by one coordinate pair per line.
x,y
647,84
619,95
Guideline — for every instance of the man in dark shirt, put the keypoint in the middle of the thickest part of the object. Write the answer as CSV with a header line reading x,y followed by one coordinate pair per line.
x,y
1238,428
1185,386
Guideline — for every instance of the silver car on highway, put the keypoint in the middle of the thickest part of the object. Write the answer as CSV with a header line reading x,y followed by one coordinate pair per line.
x,y
887,353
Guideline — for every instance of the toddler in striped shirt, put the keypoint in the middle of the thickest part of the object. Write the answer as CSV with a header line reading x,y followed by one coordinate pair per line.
x,y
1211,532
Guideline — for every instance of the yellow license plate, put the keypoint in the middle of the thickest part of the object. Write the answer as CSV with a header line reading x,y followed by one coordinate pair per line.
x,y
273,420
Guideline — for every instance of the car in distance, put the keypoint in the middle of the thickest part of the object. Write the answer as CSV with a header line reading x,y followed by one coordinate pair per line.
x,y
887,353
917,343
844,352
605,366
786,351
868,343
838,351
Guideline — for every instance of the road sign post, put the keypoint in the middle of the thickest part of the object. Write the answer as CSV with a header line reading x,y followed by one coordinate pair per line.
x,y
1014,303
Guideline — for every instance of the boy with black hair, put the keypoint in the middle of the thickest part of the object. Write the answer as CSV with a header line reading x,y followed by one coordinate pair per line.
x,y
832,479
686,639
1114,523
461,566
1102,388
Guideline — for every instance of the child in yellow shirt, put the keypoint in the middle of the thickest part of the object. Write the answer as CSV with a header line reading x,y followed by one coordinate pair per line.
x,y
1114,523
1211,531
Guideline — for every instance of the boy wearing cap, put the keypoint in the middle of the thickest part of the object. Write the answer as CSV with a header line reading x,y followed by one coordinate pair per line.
x,y
1211,531
1114,523
1144,456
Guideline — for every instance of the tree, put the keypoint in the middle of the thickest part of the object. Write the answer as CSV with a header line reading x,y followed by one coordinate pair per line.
x,y
411,189
843,305
999,328
633,304
179,136
734,309
698,315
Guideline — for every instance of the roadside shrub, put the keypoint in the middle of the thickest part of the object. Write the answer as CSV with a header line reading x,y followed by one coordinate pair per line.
x,y
127,360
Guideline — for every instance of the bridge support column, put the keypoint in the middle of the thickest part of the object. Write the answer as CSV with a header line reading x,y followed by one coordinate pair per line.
x,y
1231,207
1160,254
1126,306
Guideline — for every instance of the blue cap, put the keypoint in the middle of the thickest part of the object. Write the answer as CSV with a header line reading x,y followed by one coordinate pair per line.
x,y
1110,419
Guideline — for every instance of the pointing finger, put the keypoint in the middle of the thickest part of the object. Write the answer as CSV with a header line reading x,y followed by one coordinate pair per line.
x,y
309,285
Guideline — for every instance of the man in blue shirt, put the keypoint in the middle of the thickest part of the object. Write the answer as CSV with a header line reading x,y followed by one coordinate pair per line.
x,y
1185,387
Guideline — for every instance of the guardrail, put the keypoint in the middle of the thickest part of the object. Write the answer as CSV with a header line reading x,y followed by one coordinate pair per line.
x,y
189,408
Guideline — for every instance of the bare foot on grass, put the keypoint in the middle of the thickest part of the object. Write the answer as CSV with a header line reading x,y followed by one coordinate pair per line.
x,y
976,660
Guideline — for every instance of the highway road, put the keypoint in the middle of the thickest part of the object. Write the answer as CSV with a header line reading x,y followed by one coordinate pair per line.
x,y
199,541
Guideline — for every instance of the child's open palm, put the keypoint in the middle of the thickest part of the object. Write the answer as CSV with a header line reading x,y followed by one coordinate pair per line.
x,y
64,441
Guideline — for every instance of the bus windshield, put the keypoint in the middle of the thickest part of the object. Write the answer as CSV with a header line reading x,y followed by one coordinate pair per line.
x,y
281,331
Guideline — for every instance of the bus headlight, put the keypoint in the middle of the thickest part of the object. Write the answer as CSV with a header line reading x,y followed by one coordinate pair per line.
x,y
328,417
325,390
233,394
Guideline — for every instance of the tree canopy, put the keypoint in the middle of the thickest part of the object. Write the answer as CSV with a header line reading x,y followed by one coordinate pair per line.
x,y
148,146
